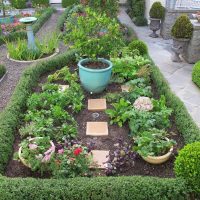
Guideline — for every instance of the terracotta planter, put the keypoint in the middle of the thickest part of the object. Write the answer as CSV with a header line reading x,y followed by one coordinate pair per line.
x,y
179,47
23,160
155,25
158,159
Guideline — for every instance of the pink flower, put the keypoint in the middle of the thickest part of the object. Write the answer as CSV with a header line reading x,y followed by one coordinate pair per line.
x,y
60,151
46,158
32,146
50,150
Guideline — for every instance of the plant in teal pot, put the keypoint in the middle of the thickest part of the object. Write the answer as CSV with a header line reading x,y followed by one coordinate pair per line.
x,y
95,36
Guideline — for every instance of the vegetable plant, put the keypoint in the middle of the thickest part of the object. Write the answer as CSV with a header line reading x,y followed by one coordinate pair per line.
x,y
153,143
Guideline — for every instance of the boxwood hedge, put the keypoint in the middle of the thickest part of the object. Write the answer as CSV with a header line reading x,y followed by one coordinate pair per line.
x,y
22,34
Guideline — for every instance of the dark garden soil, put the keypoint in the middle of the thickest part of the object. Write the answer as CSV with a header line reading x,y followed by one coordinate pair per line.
x,y
96,65
141,167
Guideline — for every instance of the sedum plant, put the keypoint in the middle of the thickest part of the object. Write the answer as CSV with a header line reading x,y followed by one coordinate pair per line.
x,y
182,28
92,33
157,11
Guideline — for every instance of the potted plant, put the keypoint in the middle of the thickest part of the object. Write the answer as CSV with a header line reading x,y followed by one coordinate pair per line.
x,y
181,33
156,14
95,36
154,146
36,153
5,19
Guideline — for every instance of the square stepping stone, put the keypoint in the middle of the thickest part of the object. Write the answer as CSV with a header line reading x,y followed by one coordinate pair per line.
x,y
125,88
96,104
62,88
99,158
97,128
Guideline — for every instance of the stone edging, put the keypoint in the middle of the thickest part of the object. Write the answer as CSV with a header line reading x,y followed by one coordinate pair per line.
x,y
3,77
32,61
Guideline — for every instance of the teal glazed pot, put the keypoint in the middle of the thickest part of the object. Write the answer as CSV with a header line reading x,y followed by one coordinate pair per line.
x,y
6,20
94,80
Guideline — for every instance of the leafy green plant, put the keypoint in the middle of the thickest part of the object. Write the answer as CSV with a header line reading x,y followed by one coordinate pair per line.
x,y
2,70
140,46
120,112
66,3
182,28
187,165
153,143
157,10
196,74
38,153
40,3
72,159
140,21
92,33
19,4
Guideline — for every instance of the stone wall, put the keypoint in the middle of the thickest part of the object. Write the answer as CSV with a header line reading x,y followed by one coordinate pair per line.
x,y
170,18
193,51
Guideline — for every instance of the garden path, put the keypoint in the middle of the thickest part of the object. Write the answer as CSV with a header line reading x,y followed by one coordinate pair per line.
x,y
14,70
178,75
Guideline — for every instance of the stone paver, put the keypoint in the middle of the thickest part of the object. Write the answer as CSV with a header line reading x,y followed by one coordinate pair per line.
x,y
125,88
96,104
99,158
178,75
97,128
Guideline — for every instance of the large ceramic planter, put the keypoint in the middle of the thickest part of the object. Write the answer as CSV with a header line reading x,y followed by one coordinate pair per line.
x,y
158,159
155,25
24,162
94,80
6,20
178,48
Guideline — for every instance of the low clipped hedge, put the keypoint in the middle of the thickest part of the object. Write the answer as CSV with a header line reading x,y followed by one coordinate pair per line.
x,y
36,26
2,70
196,74
66,3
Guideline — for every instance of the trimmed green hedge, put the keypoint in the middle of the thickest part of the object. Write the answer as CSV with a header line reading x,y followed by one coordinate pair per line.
x,y
66,3
11,116
196,74
106,188
41,20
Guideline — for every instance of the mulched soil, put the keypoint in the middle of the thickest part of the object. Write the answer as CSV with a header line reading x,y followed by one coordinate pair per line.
x,y
16,169
95,65
15,69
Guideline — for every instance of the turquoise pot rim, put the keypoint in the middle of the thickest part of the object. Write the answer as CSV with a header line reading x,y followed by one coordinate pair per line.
x,y
95,70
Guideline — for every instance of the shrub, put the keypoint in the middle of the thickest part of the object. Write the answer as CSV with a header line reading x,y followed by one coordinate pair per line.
x,y
19,4
157,11
2,70
40,3
187,165
140,21
196,74
140,46
182,28
66,3
139,8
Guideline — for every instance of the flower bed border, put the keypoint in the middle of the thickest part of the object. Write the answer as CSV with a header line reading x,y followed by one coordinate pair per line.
x,y
36,27
93,188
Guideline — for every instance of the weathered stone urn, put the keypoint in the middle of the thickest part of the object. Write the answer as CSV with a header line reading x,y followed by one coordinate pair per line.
x,y
155,25
179,47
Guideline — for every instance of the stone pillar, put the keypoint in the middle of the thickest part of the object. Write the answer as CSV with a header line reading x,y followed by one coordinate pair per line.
x,y
192,54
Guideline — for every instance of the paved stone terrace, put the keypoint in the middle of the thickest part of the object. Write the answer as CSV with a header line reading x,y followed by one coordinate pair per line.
x,y
178,75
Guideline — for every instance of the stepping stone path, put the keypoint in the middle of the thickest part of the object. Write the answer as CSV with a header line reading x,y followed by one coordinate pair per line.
x,y
98,129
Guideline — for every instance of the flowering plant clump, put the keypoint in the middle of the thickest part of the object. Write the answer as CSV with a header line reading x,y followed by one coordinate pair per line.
x,y
143,103
122,159
72,159
37,153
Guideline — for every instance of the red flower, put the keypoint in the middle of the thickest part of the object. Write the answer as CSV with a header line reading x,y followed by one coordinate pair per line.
x,y
77,151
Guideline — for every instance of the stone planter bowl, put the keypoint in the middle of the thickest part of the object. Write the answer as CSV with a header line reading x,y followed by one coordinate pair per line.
x,y
158,159
154,25
24,162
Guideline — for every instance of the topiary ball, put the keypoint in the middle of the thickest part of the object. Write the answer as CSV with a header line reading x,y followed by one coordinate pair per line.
x,y
187,165
196,74
157,11
182,28
140,46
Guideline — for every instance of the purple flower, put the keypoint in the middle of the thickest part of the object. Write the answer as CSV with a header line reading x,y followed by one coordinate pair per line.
x,y
60,151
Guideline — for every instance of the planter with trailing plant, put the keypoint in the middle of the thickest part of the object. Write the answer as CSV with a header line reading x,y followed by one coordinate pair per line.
x,y
36,153
154,146
95,32
156,14
181,33
5,19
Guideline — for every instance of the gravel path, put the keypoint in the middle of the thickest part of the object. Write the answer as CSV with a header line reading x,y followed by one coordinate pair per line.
x,y
14,70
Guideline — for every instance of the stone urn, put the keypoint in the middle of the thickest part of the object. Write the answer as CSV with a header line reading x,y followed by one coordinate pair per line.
x,y
179,47
155,25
